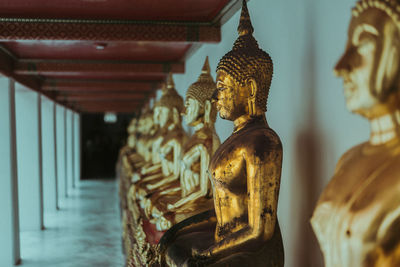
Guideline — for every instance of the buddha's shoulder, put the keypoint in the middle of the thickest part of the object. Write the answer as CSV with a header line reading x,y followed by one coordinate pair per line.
x,y
350,155
263,135
259,140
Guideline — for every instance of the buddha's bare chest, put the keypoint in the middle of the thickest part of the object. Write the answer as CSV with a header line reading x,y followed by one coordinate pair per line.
x,y
228,169
357,201
358,180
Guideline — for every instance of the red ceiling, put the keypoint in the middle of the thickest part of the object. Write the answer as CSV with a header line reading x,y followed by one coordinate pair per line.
x,y
148,10
57,57
111,76
85,50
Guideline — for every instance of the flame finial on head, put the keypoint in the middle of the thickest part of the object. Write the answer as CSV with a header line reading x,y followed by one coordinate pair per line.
x,y
170,81
170,97
206,67
204,87
245,26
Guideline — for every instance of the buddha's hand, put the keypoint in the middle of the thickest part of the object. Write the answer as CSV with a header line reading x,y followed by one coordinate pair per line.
x,y
170,207
199,258
200,254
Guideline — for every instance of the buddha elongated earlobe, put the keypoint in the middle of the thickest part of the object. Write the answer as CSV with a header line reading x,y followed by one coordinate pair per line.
x,y
252,98
175,116
207,112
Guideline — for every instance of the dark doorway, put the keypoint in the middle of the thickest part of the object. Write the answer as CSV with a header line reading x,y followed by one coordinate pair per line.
x,y
101,143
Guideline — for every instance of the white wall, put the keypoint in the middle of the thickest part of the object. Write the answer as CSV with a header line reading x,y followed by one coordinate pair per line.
x,y
305,107
9,221
49,159
28,127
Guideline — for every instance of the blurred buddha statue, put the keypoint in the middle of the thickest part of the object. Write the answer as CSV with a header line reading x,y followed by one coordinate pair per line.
x,y
192,193
243,229
132,137
136,160
168,110
129,148
152,169
132,160
131,142
357,218
167,115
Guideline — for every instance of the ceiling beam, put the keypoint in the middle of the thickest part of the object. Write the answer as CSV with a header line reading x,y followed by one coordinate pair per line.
x,y
101,97
18,29
105,106
57,67
99,86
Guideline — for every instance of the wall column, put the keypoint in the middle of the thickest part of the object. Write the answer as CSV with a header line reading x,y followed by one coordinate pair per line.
x,y
69,148
49,156
60,148
9,221
77,148
56,179
65,153
29,158
73,149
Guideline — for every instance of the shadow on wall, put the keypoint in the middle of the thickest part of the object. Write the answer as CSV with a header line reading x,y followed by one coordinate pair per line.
x,y
310,147
101,142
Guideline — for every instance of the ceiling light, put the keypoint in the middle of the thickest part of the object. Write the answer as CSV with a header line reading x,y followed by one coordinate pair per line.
x,y
100,46
110,117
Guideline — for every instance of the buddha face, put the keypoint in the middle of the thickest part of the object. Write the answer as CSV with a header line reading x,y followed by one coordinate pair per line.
x,y
232,99
369,64
140,127
192,111
148,123
131,141
156,116
132,126
163,116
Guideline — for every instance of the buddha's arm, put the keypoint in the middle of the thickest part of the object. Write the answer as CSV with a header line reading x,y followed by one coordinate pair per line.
x,y
150,169
155,164
263,181
176,162
191,156
151,177
204,161
388,237
195,222
165,150
169,191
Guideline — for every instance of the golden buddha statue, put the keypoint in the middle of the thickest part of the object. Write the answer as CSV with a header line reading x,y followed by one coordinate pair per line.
x,y
129,148
192,193
243,229
144,144
131,159
357,218
168,109
152,169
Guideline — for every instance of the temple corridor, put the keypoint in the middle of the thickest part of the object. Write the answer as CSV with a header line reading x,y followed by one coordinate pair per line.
x,y
84,232
87,111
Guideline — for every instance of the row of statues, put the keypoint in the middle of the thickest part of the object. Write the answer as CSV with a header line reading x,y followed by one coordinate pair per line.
x,y
191,201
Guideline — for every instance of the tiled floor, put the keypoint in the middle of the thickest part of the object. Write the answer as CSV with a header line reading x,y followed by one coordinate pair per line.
x,y
86,231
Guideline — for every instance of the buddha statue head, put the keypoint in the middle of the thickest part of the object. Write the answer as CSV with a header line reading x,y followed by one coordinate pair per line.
x,y
198,106
243,75
145,123
370,64
132,132
156,110
169,107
